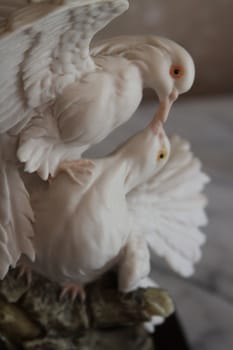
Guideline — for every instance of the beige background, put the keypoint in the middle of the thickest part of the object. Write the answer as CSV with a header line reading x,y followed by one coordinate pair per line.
x,y
203,27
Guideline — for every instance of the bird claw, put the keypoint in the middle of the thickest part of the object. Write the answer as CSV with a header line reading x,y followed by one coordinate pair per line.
x,y
74,291
75,168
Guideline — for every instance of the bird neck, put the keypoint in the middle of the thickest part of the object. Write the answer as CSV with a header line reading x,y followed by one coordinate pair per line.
x,y
137,156
145,58
144,70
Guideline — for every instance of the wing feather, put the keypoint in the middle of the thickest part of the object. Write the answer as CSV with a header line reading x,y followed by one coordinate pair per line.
x,y
12,104
16,218
45,47
169,209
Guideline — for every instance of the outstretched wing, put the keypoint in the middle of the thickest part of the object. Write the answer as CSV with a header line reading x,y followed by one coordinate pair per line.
x,y
44,47
169,209
16,217
119,45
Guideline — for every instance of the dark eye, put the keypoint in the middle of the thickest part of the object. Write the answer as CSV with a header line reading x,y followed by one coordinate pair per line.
x,y
162,154
176,72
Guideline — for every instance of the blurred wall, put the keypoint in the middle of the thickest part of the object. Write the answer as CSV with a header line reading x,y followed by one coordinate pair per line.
x,y
203,27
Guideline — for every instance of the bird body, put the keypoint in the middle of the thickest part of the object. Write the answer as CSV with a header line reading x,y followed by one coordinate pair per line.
x,y
83,245
58,97
90,108
112,220
89,227
83,115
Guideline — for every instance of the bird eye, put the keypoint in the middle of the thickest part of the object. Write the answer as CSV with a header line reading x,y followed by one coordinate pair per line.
x,y
176,72
162,154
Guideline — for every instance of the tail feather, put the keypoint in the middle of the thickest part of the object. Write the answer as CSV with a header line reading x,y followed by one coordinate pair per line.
x,y
170,209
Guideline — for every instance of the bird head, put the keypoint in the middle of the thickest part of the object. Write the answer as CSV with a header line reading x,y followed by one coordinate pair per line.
x,y
146,154
165,66
170,68
161,148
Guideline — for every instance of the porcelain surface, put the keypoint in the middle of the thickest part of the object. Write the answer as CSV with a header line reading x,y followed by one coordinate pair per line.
x,y
204,302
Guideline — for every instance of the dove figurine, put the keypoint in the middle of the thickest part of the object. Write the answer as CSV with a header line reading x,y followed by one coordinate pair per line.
x,y
136,198
59,96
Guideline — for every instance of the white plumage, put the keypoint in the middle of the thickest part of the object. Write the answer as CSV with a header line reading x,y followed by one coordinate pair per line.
x,y
44,47
16,215
133,201
169,209
58,97
67,97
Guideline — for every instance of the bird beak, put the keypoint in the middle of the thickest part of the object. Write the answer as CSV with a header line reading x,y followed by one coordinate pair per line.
x,y
174,95
162,113
166,104
156,123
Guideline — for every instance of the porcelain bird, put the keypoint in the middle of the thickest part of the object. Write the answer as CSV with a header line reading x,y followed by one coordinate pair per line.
x,y
139,197
60,96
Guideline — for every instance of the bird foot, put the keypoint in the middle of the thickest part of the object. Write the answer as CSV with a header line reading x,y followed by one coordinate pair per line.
x,y
74,291
25,271
75,169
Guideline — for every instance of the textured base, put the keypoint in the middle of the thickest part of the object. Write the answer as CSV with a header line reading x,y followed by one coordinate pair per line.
x,y
34,318
130,338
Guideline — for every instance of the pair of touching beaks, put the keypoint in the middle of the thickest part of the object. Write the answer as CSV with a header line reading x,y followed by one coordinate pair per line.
x,y
162,112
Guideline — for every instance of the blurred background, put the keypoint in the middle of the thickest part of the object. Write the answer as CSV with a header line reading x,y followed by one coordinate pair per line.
x,y
203,27
204,116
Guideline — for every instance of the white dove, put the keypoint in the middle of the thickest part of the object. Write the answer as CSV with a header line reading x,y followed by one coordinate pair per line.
x,y
56,98
59,96
131,201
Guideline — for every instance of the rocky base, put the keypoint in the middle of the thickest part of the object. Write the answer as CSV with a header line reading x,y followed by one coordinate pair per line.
x,y
132,338
34,318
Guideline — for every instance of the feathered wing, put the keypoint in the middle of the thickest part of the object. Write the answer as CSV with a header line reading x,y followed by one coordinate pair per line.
x,y
16,217
118,45
127,46
169,209
44,47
